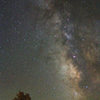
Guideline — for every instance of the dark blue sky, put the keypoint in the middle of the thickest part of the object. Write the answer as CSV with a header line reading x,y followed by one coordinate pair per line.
x,y
25,62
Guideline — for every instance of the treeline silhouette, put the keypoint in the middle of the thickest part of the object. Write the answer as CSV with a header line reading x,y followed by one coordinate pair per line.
x,y
22,96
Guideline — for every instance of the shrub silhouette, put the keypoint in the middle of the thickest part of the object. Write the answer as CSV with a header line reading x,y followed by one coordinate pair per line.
x,y
22,96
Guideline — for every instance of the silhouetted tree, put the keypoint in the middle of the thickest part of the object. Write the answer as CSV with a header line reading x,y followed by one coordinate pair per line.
x,y
22,96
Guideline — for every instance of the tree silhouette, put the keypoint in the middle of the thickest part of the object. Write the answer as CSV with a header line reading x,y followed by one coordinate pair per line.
x,y
22,96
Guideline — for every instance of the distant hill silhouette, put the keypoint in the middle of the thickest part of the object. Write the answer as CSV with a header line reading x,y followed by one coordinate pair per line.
x,y
22,96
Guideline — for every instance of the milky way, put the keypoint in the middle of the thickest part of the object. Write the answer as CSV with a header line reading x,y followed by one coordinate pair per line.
x,y
50,49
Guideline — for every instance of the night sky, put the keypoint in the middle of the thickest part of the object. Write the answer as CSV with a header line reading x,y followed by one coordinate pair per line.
x,y
50,49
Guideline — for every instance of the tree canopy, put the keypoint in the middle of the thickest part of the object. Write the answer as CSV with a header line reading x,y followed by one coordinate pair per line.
x,y
22,96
